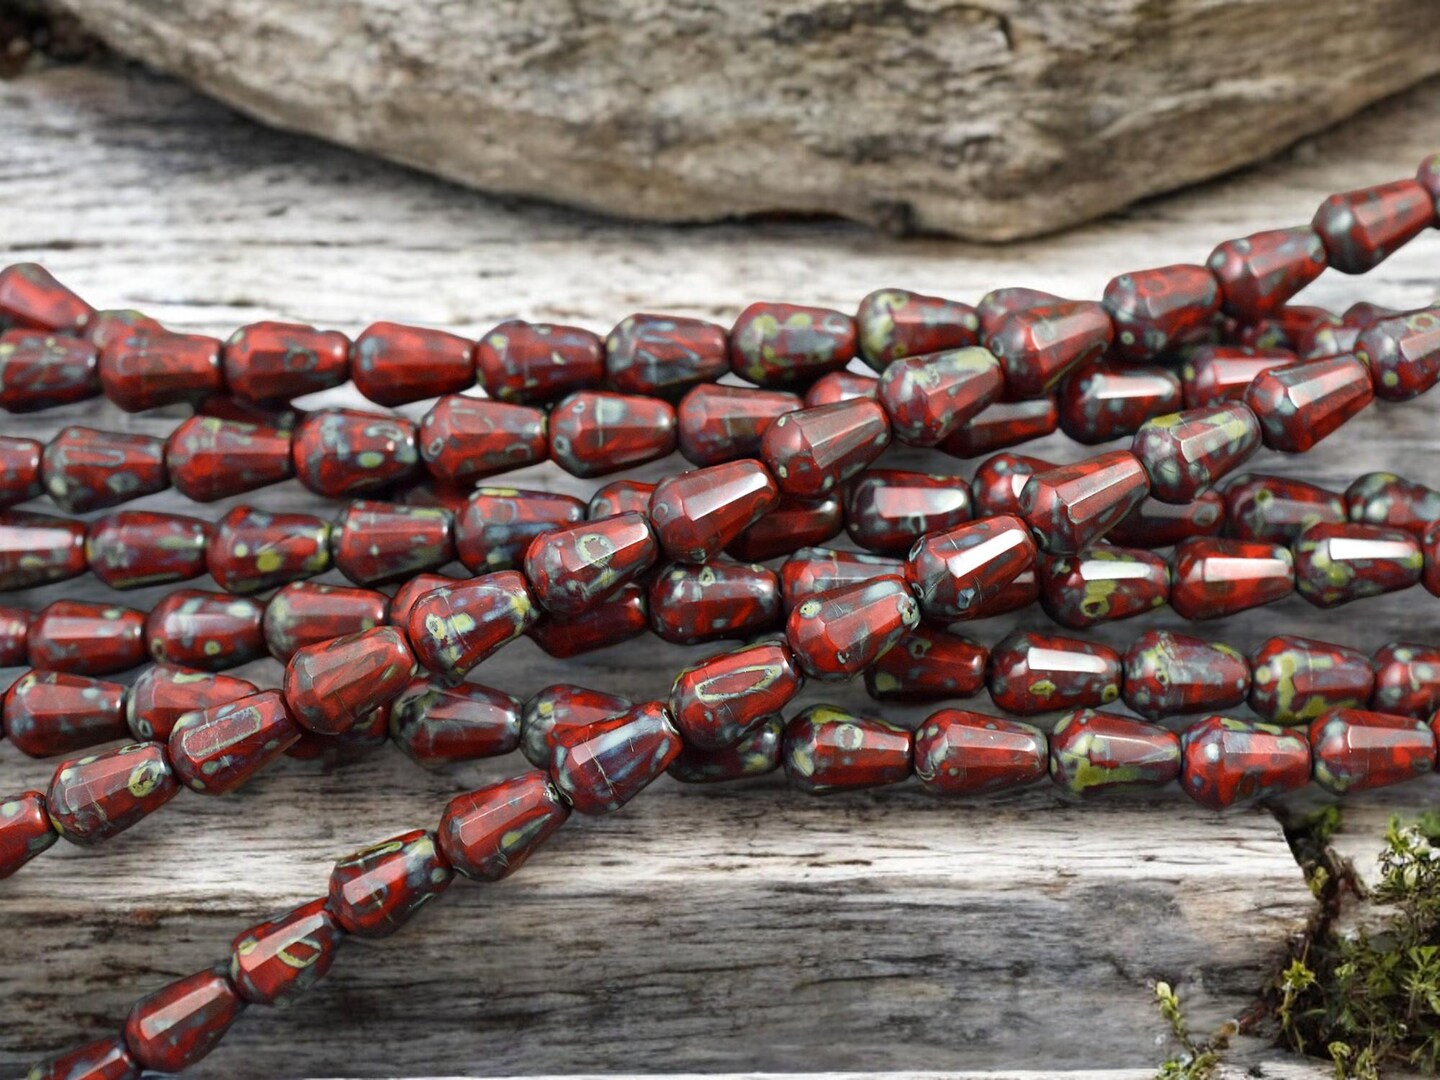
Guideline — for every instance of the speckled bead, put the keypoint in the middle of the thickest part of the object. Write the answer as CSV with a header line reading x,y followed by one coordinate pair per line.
x,y
1278,509
94,798
393,365
723,423
718,702
370,733
39,370
408,595
1006,423
343,452
535,363
463,439
306,613
454,627
497,525
1295,679
1102,584
1353,749
928,665
131,549
1071,507
1296,327
814,570
164,692
1214,374
841,386
1169,674
896,323
927,398
812,451
217,750
177,1025
1100,402
252,550
86,470
793,524
1225,761
1381,498
488,834
278,960
1212,577
999,480
757,754
887,510
104,1059
331,685
275,361
1335,564
1095,751
1301,404
148,369
14,631
696,514
693,604
20,478
376,890
1185,453
1407,680
840,633
25,830
592,434
1039,346
954,573
622,615
107,327
619,497
998,303
786,344
86,638
32,298
1156,524
1259,273
562,706
828,750
435,723
575,568
1361,229
1402,353
959,752
205,630
1158,311
379,543
1032,673
664,355
49,713
208,458
600,767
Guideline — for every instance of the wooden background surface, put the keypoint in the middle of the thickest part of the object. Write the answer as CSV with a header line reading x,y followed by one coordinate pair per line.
x,y
740,929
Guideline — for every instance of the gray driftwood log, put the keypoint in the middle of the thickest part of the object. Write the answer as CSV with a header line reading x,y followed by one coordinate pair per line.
x,y
990,120
697,930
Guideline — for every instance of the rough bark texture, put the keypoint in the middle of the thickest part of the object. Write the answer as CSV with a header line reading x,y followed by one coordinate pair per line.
x,y
990,119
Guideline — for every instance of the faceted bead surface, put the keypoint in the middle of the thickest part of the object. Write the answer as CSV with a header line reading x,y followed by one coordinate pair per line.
x,y
1277,508
177,1025
1169,674
619,497
623,615
928,665
1100,402
1070,507
378,543
723,423
999,480
828,750
463,439
558,707
1033,673
40,370
454,627
1402,353
841,386
592,434
376,890
1295,327
812,451
927,398
1301,404
163,693
1039,346
488,834
1335,564
1259,273
14,630
94,798
954,573
1158,311
86,470
206,630
252,550
534,363
1381,498
1295,679
1156,524
1102,584
131,549
342,452
274,361
1361,229
665,355
1214,374
812,571
215,751
48,713
1093,751
330,686
791,525
148,369
282,958
20,477
103,1059
1185,453
602,766
786,344
696,514
998,303
1353,749
1229,761
840,633
210,459
719,701
692,604
887,510
25,830
757,754
393,364
495,528
1006,423
31,297
896,323
1407,680
305,613
575,568
403,602
435,723
958,752
86,638
1212,577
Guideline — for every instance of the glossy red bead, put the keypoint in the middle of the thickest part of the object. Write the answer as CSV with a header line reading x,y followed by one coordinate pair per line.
x,y
562,706
48,713
275,361
1186,453
278,960
1070,507
330,686
1295,679
211,459
39,370
409,594
665,355
1169,674
164,692
1095,751
1402,354
86,638
619,497
896,323
377,543
575,568
393,364
1361,229
813,451
1032,673
959,752
104,1059
841,633
841,386
496,526
999,480
928,665
205,630
592,434
602,766
1212,577
692,604
306,613
1102,584
1353,750
723,423
217,750
20,477
1155,524
1276,508
177,1025
1038,346
535,363
435,723
995,305
25,830
927,398
786,344
1158,311
252,550
1214,374
148,369
1407,680
94,798
1004,424
454,627
757,754
1259,273
342,452
828,750
1300,404
463,439
14,632
887,510
1225,761
696,514
85,469
1296,327
791,525
812,571
1335,564
376,890
956,572
1381,498
30,297
623,615
131,549
1100,402
721,700
488,834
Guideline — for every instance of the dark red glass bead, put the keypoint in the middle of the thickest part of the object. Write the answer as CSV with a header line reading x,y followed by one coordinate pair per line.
x,y
282,958
377,543
619,497
692,604
179,1024
1185,453
786,344
562,706
1278,509
48,713
489,833
342,452
928,665
376,890
1102,584
370,733
1006,423
841,386
602,766
393,364
1361,229
275,361
278,415
1158,311
163,693
535,363
723,423
463,439
454,627
812,571
999,480
958,752
147,369
210,459
495,528
1353,750
1095,751
575,568
813,451
1022,591
30,297
896,323
39,370
1381,498
757,754
94,798
1331,341
305,613
435,723
131,549
1363,314
623,615
998,303
1169,674
1038,346
1032,673
1227,761
252,550
407,595
1295,327
20,477
1214,374
1295,679
719,701
968,567
1402,353
1407,680
1335,564
1211,577
1259,273
887,510
592,434
215,751
1100,402
791,525
696,514
103,1059
25,830
841,633
14,632
1071,507
927,398
206,630
1300,404
86,638
1155,524
85,469
828,750
330,686
665,355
